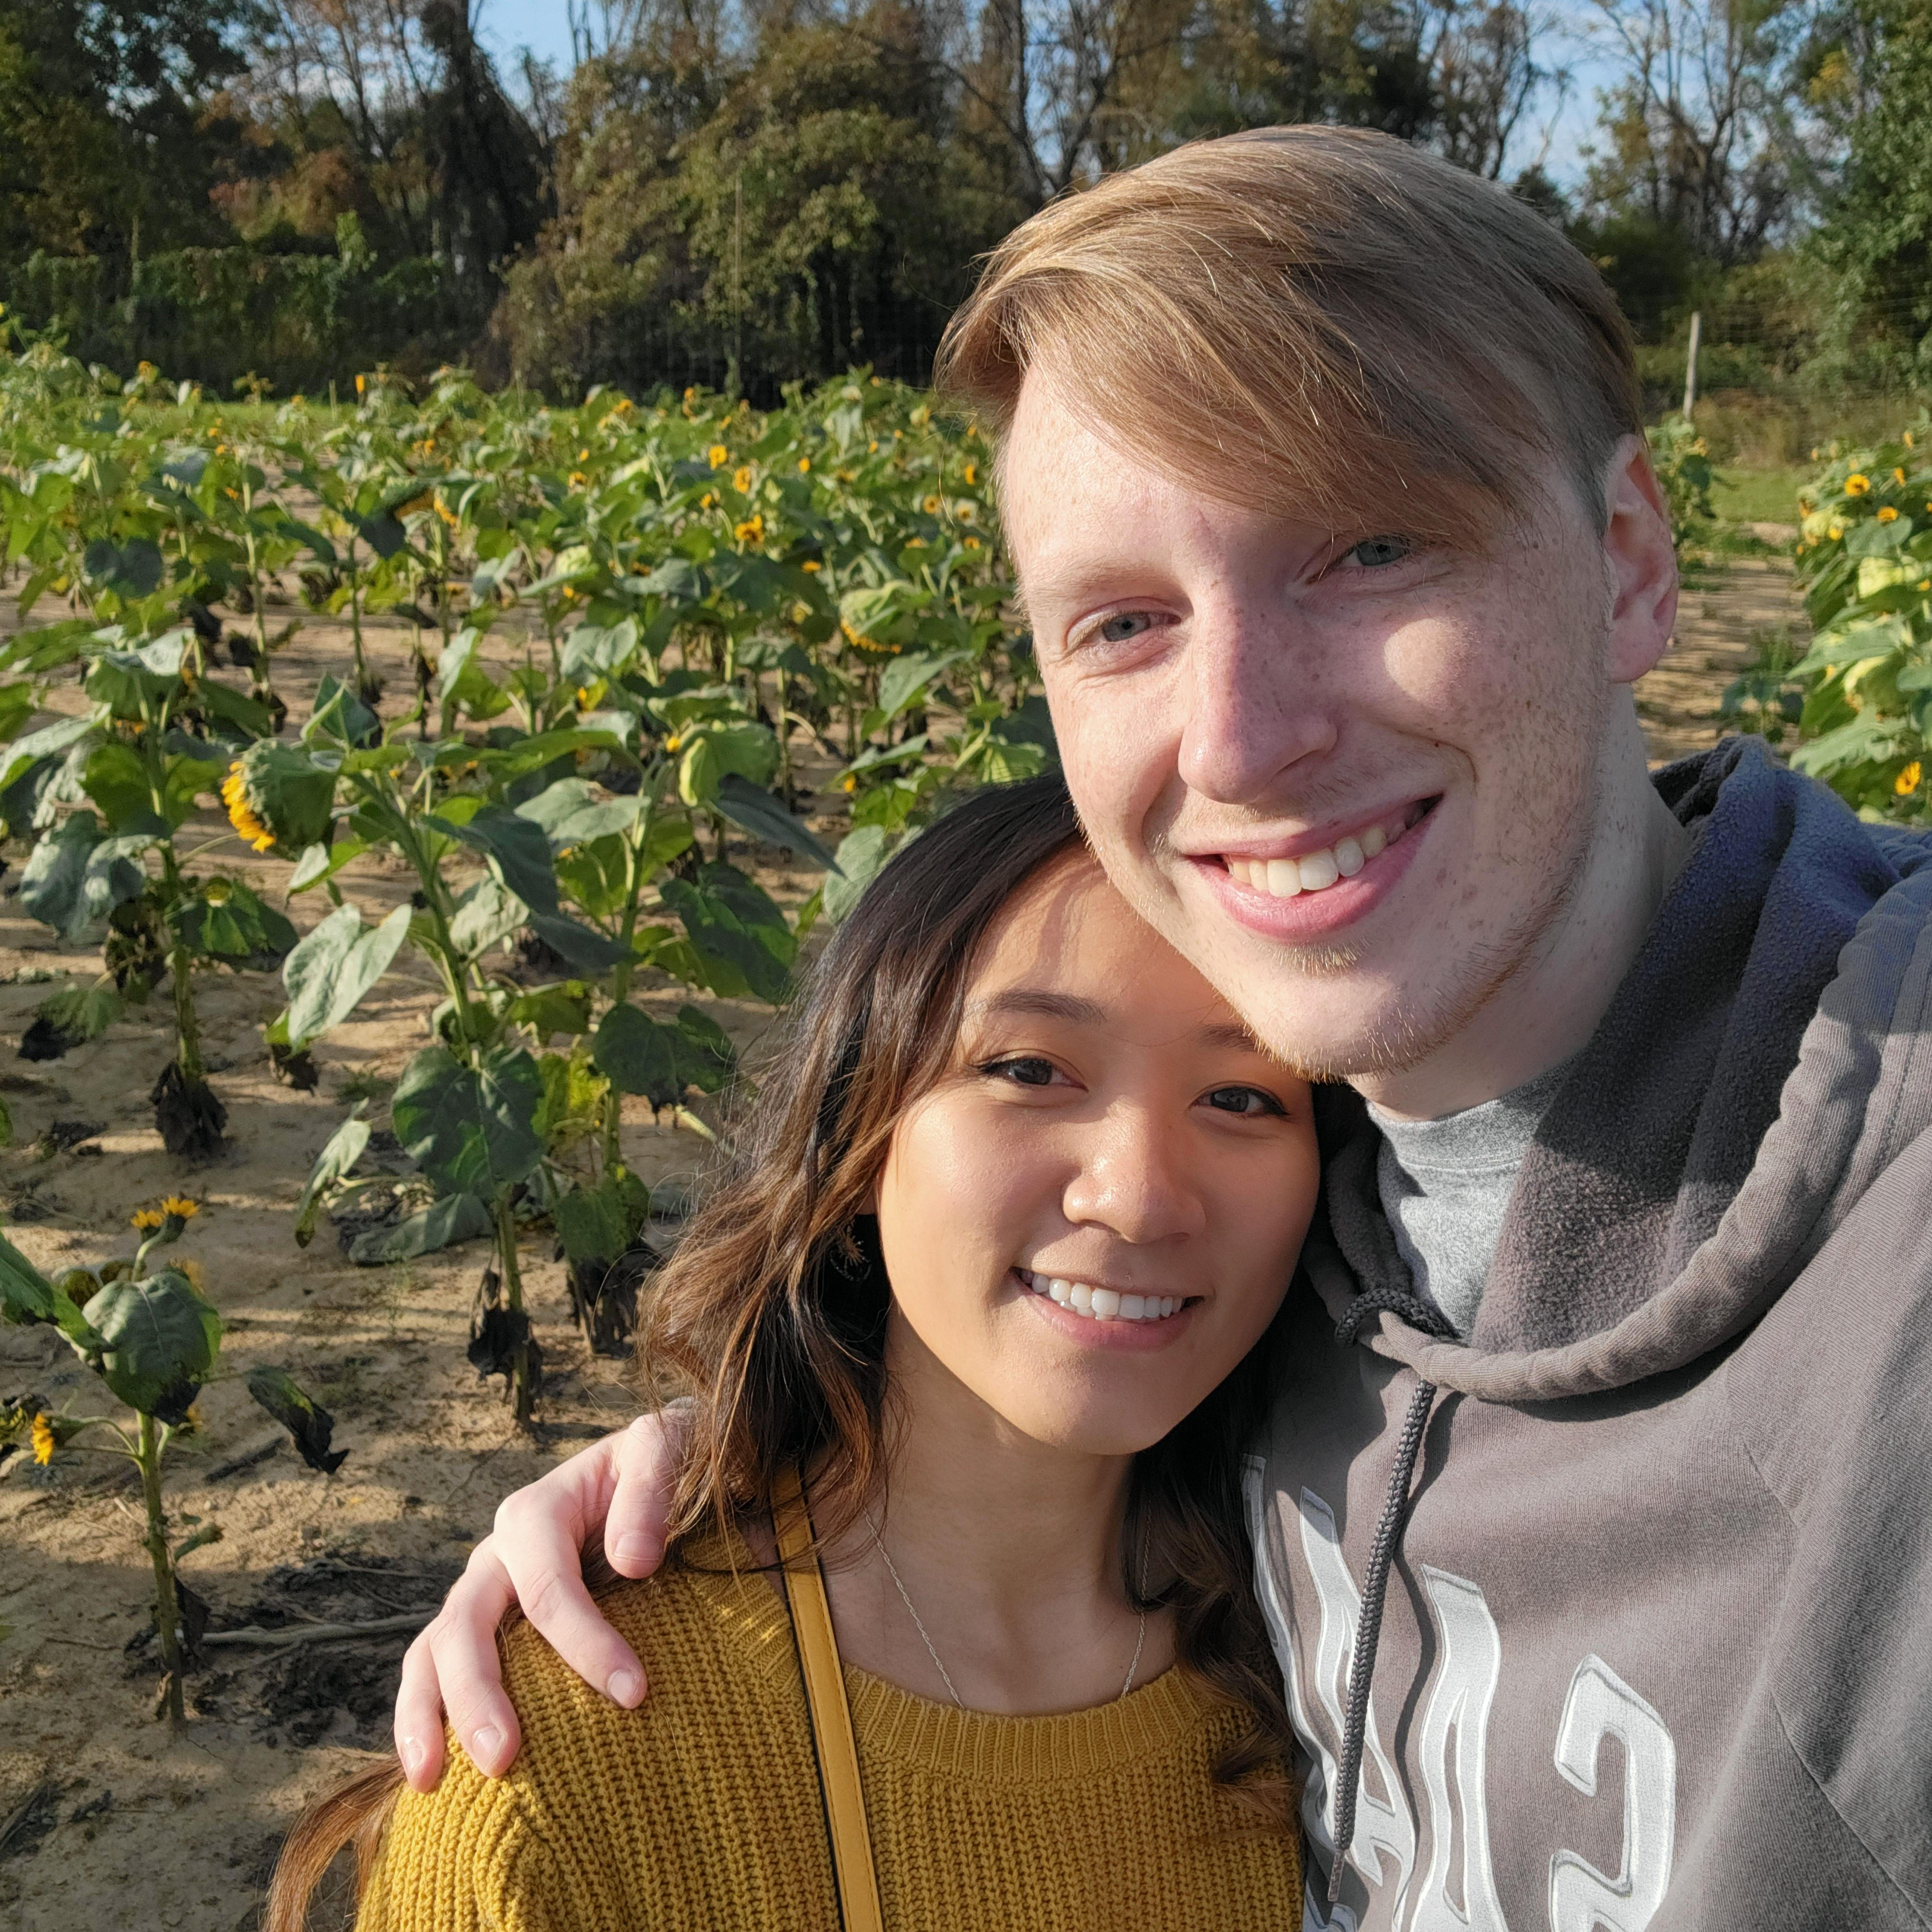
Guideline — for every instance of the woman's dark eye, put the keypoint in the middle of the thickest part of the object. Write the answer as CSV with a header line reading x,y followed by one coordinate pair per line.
x,y
1376,553
1244,1100
1025,1072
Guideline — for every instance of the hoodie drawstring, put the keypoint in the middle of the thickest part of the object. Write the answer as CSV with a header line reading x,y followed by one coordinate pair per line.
x,y
1426,1316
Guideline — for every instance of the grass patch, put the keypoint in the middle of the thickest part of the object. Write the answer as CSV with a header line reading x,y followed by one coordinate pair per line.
x,y
1767,496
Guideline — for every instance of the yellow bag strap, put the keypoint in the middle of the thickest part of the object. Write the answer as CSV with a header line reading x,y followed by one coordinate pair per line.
x,y
831,1717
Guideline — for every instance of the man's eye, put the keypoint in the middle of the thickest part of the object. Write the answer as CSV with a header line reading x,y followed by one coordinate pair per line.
x,y
1023,1071
1377,552
1249,1100
1124,627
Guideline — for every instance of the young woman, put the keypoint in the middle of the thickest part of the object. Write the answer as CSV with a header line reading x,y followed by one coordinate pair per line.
x,y
993,1277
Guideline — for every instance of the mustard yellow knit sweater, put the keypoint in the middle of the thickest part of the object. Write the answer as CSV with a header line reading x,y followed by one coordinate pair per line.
x,y
701,1810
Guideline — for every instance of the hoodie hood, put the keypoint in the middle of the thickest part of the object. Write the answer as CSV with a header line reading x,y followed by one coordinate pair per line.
x,y
1749,1080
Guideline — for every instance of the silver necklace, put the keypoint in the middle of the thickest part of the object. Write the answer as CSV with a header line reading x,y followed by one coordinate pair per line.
x,y
919,1622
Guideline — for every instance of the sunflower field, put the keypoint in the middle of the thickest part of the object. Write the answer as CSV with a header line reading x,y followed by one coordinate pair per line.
x,y
1861,699
651,645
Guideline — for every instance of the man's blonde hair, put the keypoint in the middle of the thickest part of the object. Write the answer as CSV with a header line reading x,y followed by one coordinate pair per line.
x,y
1330,321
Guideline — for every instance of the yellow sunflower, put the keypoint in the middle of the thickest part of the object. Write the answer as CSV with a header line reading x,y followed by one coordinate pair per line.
x,y
240,814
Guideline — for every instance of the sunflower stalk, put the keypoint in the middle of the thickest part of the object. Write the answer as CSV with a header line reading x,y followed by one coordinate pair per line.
x,y
523,1389
167,1599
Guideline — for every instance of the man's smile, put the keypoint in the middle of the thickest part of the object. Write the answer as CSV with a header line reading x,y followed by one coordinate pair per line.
x,y
1284,868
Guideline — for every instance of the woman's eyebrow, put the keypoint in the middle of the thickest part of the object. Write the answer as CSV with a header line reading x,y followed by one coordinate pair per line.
x,y
1041,1003
1230,1033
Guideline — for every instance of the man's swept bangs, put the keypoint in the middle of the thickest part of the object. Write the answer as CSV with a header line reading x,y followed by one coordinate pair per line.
x,y
1324,319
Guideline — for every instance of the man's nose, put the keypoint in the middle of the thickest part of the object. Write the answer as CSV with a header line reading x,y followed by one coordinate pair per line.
x,y
1134,1178
1255,702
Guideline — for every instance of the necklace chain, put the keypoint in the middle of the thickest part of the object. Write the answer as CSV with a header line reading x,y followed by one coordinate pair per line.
x,y
919,1622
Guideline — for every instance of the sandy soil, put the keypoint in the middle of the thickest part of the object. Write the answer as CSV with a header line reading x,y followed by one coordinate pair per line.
x,y
106,1819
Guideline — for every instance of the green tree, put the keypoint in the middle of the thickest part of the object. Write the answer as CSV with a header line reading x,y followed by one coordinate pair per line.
x,y
1876,243
111,127
795,212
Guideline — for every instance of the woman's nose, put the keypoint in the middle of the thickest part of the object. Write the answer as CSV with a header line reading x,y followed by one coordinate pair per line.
x,y
1134,1178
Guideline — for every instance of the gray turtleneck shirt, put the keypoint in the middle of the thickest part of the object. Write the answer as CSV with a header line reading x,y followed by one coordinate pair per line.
x,y
1445,1187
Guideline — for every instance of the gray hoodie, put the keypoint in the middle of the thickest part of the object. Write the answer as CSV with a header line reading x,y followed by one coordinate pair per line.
x,y
1656,1648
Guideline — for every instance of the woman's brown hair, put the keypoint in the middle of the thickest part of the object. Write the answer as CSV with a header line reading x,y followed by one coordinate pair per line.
x,y
770,1318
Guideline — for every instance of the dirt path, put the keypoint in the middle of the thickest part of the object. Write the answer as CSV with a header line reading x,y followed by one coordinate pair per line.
x,y
107,1820
1723,612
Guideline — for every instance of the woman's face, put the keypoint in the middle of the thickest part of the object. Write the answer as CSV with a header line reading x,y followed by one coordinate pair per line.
x,y
1093,1216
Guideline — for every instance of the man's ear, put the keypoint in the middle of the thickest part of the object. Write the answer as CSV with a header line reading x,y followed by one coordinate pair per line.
x,y
1642,561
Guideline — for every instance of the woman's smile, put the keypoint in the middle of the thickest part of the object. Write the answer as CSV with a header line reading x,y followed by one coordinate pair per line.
x,y
1091,1316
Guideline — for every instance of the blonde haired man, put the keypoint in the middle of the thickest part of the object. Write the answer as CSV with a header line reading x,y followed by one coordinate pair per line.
x,y
1592,1525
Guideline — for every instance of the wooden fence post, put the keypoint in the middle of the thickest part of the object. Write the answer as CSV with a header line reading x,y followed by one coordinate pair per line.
x,y
1691,364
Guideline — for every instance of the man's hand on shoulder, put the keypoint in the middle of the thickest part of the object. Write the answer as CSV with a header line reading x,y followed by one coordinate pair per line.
x,y
534,1557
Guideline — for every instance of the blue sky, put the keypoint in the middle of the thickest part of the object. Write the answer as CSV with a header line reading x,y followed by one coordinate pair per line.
x,y
541,25
544,27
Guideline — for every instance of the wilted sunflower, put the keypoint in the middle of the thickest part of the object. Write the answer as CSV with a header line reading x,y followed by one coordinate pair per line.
x,y
240,814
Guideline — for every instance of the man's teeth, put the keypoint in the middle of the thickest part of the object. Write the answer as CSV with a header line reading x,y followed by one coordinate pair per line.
x,y
1313,872
1102,1304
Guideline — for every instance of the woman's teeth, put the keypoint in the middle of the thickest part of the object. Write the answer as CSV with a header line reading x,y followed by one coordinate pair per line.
x,y
1315,872
1101,1304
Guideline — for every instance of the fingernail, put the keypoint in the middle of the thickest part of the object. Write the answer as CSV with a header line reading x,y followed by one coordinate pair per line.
x,y
625,1688
636,1549
484,1746
412,1754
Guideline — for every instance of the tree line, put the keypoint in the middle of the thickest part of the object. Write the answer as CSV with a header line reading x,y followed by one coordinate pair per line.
x,y
749,192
